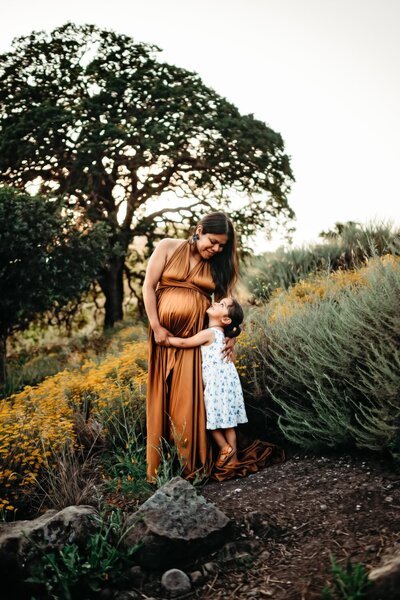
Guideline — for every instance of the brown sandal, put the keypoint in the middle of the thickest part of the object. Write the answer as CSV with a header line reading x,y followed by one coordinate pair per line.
x,y
224,456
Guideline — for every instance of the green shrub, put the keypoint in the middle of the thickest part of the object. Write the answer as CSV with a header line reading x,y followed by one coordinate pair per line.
x,y
332,362
345,250
74,573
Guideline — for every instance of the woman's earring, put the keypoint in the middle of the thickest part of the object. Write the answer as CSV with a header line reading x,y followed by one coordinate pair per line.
x,y
195,237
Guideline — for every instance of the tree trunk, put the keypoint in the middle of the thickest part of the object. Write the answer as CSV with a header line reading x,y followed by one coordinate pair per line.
x,y
111,283
3,349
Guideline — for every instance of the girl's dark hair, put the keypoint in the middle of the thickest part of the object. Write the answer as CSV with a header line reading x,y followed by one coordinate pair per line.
x,y
224,265
235,313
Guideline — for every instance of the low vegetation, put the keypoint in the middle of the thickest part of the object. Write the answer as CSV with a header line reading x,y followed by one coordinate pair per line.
x,y
77,409
325,357
348,246
82,572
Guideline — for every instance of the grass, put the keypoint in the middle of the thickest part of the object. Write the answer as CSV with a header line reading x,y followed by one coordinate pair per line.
x,y
349,583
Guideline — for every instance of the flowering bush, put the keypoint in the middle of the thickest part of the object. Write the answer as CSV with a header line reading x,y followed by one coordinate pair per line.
x,y
312,290
30,430
40,353
39,421
348,247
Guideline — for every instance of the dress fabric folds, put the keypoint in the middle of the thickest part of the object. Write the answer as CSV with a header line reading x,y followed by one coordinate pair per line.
x,y
175,405
175,402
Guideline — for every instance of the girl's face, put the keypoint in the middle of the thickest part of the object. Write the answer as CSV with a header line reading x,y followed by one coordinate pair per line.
x,y
209,244
219,310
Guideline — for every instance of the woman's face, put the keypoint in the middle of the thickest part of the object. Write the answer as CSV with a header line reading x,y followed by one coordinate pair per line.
x,y
209,244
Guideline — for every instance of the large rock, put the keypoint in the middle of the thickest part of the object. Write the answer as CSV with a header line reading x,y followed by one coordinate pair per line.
x,y
386,579
175,526
52,530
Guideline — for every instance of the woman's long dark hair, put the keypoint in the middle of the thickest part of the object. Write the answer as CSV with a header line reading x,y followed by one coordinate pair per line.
x,y
224,265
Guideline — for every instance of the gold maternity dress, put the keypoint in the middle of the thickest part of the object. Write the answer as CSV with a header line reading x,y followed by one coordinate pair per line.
x,y
175,405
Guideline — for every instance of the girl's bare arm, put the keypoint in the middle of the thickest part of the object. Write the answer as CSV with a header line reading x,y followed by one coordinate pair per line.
x,y
204,337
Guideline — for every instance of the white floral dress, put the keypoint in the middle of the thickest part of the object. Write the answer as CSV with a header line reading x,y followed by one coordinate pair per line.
x,y
223,394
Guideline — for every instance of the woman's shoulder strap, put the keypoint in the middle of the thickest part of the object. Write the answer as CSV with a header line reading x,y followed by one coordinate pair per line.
x,y
172,248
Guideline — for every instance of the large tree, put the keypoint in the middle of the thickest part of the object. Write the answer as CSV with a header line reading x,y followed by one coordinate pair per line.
x,y
48,257
95,116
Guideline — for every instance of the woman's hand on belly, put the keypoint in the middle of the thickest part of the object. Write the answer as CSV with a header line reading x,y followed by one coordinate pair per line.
x,y
161,336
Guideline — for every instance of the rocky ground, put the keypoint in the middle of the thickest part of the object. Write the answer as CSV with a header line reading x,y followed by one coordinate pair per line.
x,y
288,520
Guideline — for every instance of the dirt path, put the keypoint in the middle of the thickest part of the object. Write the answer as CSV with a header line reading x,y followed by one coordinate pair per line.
x,y
290,517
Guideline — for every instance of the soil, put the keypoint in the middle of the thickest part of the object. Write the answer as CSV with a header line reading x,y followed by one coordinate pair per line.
x,y
288,520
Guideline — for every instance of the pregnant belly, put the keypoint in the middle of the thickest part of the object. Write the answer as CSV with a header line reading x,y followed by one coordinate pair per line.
x,y
182,311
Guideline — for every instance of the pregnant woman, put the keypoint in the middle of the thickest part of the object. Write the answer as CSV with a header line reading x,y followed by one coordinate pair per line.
x,y
180,279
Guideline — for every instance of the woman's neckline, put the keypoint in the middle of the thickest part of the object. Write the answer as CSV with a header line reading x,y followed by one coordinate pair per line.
x,y
191,255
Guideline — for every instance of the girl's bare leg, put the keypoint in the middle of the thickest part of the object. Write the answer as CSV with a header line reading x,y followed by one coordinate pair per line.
x,y
219,437
230,436
225,439
227,451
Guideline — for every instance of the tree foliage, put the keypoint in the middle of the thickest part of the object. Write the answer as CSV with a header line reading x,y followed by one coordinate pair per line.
x,y
47,258
95,116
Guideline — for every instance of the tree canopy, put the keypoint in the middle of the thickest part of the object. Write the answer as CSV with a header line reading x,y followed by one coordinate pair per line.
x,y
47,258
92,115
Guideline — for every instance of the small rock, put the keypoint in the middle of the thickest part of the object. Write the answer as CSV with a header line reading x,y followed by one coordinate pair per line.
x,y
254,520
388,499
196,577
228,552
211,567
323,506
265,554
176,582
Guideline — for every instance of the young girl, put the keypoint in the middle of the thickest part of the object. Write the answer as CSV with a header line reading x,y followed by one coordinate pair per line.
x,y
223,394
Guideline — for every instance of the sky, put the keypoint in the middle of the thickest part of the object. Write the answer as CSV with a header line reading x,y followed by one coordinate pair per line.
x,y
323,73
